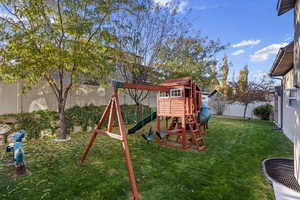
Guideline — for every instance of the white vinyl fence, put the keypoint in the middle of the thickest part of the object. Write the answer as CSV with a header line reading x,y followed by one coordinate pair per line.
x,y
237,110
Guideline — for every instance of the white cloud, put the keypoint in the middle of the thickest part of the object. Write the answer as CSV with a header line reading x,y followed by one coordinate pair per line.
x,y
264,53
163,2
179,5
238,52
246,43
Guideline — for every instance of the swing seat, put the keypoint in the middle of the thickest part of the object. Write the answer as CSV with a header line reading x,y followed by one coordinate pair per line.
x,y
150,136
162,135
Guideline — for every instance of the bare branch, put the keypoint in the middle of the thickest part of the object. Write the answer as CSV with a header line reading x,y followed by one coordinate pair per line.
x,y
53,86
61,23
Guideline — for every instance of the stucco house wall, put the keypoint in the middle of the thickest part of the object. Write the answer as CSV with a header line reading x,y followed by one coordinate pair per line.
x,y
296,112
41,97
289,58
297,42
291,114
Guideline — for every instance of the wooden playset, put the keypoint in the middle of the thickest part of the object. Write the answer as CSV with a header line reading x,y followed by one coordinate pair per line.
x,y
178,101
182,103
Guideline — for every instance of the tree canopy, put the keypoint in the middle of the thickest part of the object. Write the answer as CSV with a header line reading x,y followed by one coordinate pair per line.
x,y
224,76
189,56
58,41
242,82
68,42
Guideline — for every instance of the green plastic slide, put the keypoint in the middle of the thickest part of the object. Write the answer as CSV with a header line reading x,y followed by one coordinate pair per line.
x,y
142,123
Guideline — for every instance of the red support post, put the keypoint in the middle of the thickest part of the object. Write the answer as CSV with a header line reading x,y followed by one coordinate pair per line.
x,y
183,137
158,128
125,147
92,140
111,116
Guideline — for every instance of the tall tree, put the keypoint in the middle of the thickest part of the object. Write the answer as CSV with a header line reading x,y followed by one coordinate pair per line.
x,y
214,82
243,79
189,56
143,35
57,41
224,76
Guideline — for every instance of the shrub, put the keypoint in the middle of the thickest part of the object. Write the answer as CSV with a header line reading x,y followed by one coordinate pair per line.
x,y
263,111
33,123
86,116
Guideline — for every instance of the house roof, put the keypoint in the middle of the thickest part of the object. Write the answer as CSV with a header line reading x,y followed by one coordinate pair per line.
x,y
285,5
284,60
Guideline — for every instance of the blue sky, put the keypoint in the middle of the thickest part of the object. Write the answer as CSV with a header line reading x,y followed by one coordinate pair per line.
x,y
235,21
242,22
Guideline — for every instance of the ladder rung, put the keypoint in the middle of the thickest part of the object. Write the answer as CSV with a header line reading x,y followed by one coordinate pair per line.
x,y
175,131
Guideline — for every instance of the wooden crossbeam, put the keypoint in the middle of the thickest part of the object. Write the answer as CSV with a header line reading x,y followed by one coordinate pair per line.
x,y
117,84
93,138
145,87
112,135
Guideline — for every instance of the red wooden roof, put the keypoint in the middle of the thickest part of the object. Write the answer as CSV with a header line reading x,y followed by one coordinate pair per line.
x,y
178,81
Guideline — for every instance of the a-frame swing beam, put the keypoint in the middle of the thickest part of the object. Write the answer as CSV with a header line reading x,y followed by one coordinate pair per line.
x,y
98,127
117,84
113,108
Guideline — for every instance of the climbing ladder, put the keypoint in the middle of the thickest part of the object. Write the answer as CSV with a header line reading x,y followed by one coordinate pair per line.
x,y
196,133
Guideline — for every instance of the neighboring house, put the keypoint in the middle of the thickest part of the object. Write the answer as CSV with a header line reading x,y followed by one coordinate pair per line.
x,y
287,67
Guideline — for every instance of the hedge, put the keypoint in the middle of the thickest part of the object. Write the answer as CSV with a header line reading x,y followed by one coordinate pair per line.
x,y
87,116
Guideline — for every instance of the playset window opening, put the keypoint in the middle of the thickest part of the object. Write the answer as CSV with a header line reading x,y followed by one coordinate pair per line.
x,y
176,92
164,94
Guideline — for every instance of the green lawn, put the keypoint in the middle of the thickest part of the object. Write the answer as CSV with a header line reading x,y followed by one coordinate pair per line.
x,y
229,169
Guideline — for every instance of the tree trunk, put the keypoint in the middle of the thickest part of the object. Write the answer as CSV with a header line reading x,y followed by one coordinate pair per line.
x,y
138,112
62,134
245,110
